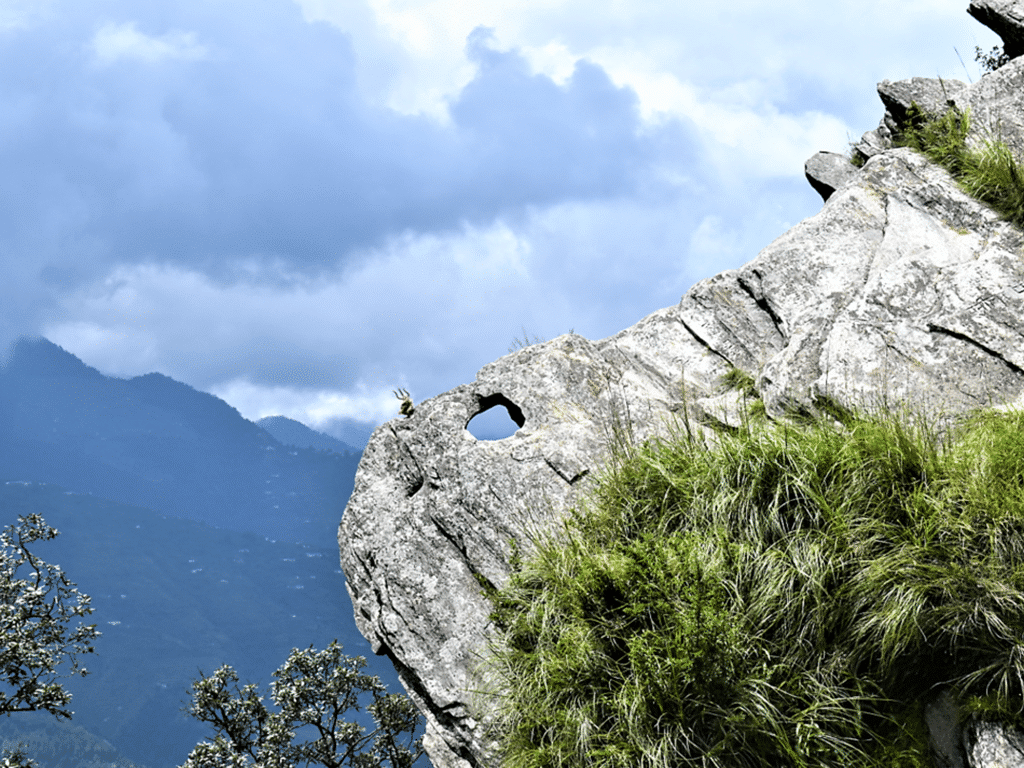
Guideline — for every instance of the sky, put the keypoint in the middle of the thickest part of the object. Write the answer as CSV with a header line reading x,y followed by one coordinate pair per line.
x,y
301,205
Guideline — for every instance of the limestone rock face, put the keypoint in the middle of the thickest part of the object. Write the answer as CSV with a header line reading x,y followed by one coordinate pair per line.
x,y
902,289
1005,18
996,103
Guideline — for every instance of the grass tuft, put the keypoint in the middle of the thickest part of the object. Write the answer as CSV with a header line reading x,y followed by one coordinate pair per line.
x,y
524,342
990,173
775,596
736,379
941,139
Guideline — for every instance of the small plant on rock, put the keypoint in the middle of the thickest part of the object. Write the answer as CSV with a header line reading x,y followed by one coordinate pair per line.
x,y
992,60
738,380
941,139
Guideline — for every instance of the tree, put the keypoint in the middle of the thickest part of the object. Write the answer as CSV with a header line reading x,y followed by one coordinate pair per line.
x,y
38,605
312,691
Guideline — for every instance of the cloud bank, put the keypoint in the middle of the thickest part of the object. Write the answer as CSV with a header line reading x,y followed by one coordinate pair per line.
x,y
302,205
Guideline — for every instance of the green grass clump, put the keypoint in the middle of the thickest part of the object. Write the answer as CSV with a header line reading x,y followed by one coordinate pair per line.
x,y
996,178
990,173
740,381
774,596
941,139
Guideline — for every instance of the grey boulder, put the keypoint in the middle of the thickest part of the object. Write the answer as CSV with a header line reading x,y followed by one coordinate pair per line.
x,y
827,172
1005,18
902,289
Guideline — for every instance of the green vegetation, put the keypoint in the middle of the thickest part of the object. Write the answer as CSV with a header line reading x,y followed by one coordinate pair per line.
x,y
941,139
992,60
38,604
524,342
990,173
313,692
172,596
317,696
778,595
740,381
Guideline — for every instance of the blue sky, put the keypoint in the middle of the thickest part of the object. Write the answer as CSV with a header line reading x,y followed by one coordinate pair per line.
x,y
299,205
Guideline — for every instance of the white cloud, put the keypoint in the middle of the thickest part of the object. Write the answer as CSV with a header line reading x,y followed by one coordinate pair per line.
x,y
423,312
316,408
730,75
413,306
739,125
388,250
431,35
120,349
737,80
117,42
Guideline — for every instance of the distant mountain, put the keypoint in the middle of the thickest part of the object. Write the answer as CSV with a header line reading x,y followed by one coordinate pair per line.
x,y
290,432
155,442
350,431
201,538
173,597
53,743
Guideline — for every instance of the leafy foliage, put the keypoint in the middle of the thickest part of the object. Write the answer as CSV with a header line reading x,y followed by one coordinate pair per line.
x,y
38,606
176,596
312,691
16,759
777,596
992,60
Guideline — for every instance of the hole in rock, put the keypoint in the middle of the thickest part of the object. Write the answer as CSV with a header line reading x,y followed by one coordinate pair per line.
x,y
497,418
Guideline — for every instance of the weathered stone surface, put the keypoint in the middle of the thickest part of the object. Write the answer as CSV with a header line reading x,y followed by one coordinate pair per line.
x,y
996,102
901,289
942,718
1005,18
874,142
994,747
434,509
980,745
827,172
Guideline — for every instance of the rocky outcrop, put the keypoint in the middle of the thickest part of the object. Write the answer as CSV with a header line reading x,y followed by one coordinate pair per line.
x,y
1005,18
902,289
828,171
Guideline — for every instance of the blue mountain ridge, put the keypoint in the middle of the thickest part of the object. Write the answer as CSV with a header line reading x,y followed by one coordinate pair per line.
x,y
155,442
291,432
201,538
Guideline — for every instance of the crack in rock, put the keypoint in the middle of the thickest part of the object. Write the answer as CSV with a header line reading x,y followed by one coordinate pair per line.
x,y
936,328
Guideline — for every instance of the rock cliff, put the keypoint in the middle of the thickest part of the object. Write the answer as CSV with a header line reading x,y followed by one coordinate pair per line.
x,y
901,289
